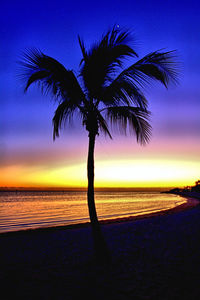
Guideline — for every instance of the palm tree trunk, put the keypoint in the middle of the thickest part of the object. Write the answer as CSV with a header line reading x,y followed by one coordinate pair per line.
x,y
100,247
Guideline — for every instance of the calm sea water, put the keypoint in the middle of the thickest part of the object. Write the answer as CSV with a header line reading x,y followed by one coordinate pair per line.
x,y
25,210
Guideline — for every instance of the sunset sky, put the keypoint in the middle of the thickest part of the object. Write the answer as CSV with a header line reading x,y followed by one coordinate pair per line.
x,y
28,155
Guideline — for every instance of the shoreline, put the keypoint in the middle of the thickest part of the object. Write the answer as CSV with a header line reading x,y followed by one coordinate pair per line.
x,y
188,194
191,203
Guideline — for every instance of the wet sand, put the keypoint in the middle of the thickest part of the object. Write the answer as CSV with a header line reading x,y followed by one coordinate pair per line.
x,y
154,257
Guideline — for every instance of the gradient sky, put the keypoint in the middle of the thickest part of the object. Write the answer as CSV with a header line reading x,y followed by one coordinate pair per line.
x,y
28,155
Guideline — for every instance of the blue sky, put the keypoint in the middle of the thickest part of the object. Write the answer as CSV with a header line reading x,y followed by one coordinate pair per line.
x,y
53,26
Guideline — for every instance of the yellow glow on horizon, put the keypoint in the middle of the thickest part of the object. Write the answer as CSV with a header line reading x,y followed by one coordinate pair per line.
x,y
116,173
146,173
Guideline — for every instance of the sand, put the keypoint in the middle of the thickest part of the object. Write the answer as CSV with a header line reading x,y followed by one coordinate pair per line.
x,y
157,257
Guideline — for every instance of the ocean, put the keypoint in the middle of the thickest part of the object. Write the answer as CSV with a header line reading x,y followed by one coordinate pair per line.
x,y
31,210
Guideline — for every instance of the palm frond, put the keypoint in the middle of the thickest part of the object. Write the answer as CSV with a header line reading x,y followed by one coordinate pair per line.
x,y
160,66
103,124
83,50
119,42
133,118
64,112
100,63
126,87
51,75
122,91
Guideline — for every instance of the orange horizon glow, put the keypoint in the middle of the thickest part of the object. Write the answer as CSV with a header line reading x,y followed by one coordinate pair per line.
x,y
108,174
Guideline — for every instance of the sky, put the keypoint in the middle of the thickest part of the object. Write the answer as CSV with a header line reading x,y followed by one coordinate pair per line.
x,y
28,155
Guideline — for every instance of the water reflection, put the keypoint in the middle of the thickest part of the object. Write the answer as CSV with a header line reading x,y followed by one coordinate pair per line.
x,y
25,210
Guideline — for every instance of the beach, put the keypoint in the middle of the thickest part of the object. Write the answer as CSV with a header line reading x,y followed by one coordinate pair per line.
x,y
154,257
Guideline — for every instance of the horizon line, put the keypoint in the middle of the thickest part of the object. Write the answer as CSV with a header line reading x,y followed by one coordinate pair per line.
x,y
45,188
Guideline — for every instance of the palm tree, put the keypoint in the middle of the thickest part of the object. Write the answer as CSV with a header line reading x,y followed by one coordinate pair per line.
x,y
104,93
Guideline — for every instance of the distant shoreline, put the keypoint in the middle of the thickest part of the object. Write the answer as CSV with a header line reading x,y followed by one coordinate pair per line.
x,y
195,195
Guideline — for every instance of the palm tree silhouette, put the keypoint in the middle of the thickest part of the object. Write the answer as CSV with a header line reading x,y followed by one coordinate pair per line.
x,y
104,93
